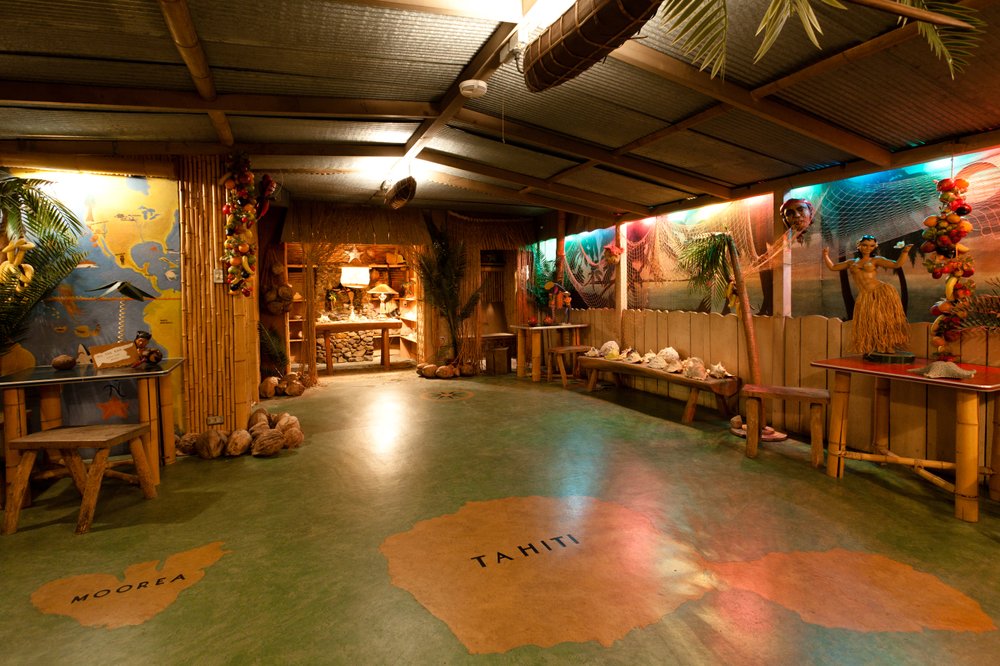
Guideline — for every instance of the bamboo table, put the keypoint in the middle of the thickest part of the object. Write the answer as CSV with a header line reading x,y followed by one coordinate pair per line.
x,y
156,404
536,345
967,393
384,325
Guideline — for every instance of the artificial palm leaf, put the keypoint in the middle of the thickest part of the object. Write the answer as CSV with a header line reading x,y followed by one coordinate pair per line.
x,y
701,27
27,210
953,45
442,269
53,258
704,259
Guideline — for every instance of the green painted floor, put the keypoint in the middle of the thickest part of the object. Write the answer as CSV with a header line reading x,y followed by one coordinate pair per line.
x,y
303,580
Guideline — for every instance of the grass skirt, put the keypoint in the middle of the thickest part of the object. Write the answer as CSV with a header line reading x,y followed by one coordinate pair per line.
x,y
879,321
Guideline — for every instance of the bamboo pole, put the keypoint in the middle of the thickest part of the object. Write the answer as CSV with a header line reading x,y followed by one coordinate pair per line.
x,y
966,456
746,314
895,460
935,479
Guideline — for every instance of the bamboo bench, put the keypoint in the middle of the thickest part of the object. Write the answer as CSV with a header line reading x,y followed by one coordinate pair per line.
x,y
755,395
723,389
68,441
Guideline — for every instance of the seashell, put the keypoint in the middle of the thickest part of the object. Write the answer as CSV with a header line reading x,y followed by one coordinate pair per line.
x,y
634,357
648,356
612,355
694,367
669,354
943,370
674,366
592,352
718,371
608,347
657,363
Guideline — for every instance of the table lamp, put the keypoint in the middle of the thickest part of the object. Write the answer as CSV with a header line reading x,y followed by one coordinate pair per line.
x,y
382,290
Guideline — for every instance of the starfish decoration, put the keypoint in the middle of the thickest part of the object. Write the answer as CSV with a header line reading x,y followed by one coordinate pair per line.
x,y
115,406
353,254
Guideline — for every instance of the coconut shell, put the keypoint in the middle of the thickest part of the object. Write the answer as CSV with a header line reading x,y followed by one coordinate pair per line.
x,y
293,438
259,415
429,371
468,370
260,429
64,362
185,444
445,372
268,443
210,444
286,422
295,389
266,388
274,418
238,443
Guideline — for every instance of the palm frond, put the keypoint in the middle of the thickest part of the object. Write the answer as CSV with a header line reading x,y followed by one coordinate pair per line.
x,y
701,27
26,209
272,348
705,260
952,45
53,259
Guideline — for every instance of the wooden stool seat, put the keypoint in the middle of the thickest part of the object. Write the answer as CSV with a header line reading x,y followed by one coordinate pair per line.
x,y
755,395
68,441
558,355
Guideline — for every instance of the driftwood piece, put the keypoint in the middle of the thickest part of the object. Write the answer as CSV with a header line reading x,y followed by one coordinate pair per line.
x,y
268,443
293,438
210,444
267,387
238,443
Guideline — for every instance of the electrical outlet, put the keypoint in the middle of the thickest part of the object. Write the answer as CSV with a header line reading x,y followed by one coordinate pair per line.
x,y
215,420
217,276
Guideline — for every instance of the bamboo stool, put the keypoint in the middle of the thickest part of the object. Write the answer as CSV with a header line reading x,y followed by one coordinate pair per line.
x,y
68,441
558,354
816,398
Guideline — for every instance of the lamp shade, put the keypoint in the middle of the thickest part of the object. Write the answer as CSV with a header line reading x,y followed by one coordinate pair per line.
x,y
355,277
383,288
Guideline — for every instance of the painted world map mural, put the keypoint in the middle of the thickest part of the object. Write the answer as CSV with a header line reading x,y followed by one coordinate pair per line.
x,y
132,236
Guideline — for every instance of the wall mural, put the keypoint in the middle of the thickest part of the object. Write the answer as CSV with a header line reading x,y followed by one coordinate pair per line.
x,y
891,205
133,241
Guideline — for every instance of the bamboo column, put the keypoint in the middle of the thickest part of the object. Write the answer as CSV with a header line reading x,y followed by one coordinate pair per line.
x,y
219,330
967,456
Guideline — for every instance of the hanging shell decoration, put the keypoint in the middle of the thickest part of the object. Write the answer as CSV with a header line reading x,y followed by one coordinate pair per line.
x,y
14,263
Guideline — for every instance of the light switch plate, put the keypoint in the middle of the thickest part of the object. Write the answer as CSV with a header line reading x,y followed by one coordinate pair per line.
x,y
217,276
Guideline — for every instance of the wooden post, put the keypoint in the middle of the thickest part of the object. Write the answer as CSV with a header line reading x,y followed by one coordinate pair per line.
x,y
966,456
147,414
15,425
838,424
621,279
815,434
995,454
754,411
536,355
166,397
50,407
881,436
560,245
522,353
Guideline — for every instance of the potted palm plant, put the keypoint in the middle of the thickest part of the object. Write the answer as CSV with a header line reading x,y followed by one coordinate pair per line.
x,y
38,236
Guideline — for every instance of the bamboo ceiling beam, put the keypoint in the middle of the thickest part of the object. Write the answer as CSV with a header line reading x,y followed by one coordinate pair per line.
x,y
461,183
613,204
565,145
494,10
178,18
134,148
915,13
681,73
59,95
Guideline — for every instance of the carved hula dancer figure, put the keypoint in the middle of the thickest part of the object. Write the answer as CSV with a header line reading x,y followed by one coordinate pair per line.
x,y
879,321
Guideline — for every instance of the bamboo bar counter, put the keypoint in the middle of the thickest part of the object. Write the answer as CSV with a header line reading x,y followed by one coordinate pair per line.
x,y
155,404
967,393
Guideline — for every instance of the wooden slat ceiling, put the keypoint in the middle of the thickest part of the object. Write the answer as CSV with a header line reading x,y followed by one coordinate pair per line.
x,y
337,98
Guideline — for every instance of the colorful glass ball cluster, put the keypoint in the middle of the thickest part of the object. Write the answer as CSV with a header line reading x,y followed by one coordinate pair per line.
x,y
946,257
240,209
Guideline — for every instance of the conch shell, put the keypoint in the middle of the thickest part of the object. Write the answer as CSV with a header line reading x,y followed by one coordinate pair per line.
x,y
718,371
669,354
694,367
